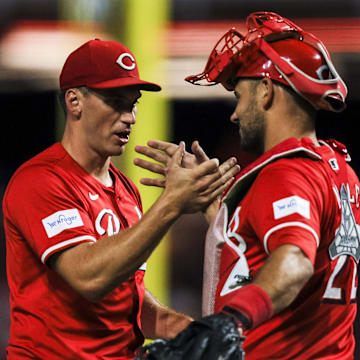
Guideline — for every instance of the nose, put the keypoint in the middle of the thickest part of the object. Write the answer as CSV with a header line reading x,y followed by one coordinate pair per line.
x,y
233,118
128,117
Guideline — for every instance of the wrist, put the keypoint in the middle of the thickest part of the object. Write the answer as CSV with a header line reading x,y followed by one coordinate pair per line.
x,y
250,306
211,211
166,208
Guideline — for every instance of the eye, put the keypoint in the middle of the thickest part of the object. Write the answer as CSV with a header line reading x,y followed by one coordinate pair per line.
x,y
119,103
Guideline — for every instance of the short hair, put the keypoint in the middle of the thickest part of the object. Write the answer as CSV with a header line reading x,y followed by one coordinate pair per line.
x,y
61,96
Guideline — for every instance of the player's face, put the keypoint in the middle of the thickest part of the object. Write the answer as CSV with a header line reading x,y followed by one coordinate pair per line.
x,y
249,117
109,115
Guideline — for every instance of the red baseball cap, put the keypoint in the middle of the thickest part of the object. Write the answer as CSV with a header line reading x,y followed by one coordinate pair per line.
x,y
102,64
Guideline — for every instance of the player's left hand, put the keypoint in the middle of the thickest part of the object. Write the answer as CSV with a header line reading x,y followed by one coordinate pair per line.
x,y
214,337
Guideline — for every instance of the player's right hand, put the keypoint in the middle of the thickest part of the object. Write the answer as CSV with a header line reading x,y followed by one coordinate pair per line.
x,y
192,190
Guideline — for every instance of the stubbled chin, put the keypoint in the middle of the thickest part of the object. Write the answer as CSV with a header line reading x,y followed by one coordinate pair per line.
x,y
117,150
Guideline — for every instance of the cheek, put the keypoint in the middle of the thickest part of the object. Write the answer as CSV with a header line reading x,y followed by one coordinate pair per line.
x,y
240,111
98,122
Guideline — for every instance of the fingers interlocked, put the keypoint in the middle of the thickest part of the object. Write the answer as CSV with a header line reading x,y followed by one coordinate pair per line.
x,y
211,178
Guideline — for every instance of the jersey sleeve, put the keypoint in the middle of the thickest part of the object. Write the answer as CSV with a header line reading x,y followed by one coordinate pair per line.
x,y
287,203
41,207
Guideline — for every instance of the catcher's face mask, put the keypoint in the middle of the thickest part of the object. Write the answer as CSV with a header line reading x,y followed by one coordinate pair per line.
x,y
276,48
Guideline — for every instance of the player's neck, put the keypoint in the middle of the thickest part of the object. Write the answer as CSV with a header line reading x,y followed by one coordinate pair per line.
x,y
93,163
274,138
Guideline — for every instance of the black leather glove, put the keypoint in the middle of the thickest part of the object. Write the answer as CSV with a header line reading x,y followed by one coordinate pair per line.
x,y
214,337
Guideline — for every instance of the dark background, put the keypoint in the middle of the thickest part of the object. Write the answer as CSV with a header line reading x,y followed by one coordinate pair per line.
x,y
28,128
28,122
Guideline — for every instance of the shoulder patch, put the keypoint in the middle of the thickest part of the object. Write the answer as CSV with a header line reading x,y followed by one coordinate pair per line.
x,y
291,205
61,220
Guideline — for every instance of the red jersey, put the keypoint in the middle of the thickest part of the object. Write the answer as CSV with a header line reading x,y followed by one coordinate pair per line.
x,y
50,204
307,196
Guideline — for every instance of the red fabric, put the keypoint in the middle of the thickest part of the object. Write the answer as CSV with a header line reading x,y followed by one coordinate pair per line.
x,y
49,320
253,302
319,323
102,64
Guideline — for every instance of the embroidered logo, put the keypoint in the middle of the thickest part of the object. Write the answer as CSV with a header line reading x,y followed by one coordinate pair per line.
x,y
347,239
291,205
107,223
121,58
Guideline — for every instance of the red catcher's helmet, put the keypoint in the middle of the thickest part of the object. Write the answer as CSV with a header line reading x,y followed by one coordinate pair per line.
x,y
275,47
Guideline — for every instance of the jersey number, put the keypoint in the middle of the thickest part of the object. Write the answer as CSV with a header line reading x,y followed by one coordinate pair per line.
x,y
335,294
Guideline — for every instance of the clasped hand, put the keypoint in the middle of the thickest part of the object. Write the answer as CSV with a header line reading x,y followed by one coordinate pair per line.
x,y
193,181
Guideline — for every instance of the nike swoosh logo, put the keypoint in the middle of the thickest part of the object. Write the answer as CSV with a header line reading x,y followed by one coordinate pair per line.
x,y
93,196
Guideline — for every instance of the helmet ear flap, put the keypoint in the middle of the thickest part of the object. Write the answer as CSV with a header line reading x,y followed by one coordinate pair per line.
x,y
313,75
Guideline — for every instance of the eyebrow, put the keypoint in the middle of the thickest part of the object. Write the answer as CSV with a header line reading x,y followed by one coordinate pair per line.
x,y
126,97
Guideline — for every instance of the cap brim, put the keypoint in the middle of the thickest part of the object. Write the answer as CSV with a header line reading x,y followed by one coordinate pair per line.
x,y
120,82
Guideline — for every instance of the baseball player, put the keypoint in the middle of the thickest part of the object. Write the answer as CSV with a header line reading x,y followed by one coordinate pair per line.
x,y
76,239
282,253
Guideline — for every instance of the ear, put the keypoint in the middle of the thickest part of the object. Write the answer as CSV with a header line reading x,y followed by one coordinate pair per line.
x,y
73,102
267,93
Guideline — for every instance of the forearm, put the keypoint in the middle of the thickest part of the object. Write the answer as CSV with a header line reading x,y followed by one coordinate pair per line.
x,y
94,270
102,266
159,321
274,288
284,275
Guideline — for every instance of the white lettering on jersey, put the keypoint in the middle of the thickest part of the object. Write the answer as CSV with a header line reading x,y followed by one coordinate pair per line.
x,y
121,62
233,227
62,220
347,236
240,274
113,223
291,205
353,197
337,195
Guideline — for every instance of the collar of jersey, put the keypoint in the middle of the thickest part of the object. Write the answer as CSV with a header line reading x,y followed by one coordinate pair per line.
x,y
288,148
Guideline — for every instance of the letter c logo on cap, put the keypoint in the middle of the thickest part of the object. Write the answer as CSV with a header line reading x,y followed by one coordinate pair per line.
x,y
124,66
